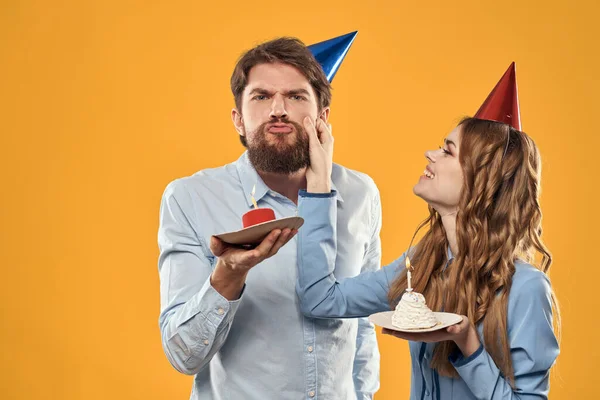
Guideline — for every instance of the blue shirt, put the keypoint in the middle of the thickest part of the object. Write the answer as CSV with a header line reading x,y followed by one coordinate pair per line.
x,y
322,294
261,346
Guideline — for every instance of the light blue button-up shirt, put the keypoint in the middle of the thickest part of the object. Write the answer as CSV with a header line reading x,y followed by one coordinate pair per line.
x,y
261,346
324,294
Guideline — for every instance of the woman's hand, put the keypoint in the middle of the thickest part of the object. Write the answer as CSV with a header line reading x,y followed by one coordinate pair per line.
x,y
463,334
318,175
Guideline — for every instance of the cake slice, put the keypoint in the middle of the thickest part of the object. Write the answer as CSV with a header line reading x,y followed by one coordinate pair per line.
x,y
412,312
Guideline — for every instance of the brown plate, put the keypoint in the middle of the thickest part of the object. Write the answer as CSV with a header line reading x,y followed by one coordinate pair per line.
x,y
255,234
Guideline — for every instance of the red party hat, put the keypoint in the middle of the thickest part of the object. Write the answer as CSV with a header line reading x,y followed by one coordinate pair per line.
x,y
502,104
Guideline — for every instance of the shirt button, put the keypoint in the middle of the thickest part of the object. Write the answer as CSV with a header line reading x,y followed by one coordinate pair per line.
x,y
206,342
310,349
221,311
311,393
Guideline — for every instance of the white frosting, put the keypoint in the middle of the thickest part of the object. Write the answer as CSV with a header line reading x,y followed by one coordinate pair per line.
x,y
412,312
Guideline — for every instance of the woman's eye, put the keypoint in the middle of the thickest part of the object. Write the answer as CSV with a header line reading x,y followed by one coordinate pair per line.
x,y
445,151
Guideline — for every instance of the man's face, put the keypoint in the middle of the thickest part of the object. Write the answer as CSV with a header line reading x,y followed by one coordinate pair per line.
x,y
275,101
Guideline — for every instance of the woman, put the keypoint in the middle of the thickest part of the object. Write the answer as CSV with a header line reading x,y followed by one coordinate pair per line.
x,y
482,188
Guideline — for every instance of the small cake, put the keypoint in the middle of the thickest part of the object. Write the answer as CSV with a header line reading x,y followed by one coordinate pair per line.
x,y
257,216
412,312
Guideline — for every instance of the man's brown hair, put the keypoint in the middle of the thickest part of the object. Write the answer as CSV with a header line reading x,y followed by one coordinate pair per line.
x,y
285,50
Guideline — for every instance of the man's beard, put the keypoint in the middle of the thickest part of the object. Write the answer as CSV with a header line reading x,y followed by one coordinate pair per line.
x,y
279,158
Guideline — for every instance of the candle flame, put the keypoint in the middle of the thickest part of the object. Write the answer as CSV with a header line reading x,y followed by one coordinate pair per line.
x,y
407,262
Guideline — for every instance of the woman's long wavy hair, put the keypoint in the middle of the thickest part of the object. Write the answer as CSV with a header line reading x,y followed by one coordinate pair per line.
x,y
498,220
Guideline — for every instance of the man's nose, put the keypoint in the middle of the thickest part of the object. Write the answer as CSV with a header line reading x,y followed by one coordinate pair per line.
x,y
278,107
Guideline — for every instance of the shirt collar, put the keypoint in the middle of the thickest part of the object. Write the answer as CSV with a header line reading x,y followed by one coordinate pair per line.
x,y
338,194
450,257
249,177
449,254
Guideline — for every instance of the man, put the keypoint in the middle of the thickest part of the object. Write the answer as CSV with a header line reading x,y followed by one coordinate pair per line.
x,y
240,330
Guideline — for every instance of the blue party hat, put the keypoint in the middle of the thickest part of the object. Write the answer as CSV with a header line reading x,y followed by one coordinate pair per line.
x,y
331,53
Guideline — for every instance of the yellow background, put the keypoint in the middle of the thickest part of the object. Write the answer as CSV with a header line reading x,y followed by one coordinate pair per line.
x,y
103,103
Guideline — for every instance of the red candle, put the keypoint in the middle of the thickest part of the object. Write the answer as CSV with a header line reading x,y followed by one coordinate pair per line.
x,y
257,216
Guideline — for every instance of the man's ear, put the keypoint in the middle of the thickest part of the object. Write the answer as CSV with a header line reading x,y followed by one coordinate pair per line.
x,y
325,114
238,121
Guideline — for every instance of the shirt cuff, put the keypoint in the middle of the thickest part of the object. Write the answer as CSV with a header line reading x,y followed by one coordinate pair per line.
x,y
304,193
222,310
458,360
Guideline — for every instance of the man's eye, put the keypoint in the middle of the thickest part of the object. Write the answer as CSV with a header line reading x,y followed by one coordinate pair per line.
x,y
260,97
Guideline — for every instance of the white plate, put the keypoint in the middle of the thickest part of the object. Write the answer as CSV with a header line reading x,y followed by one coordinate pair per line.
x,y
384,319
256,233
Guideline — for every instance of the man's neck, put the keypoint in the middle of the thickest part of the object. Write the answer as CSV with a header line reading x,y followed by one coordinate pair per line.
x,y
287,185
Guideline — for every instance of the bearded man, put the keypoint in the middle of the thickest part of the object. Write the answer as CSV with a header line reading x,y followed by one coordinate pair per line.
x,y
240,332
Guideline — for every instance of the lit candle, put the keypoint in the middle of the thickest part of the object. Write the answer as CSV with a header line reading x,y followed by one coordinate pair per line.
x,y
252,196
408,274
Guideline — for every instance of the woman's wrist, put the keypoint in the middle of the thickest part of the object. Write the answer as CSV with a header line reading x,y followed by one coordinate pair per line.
x,y
319,187
469,342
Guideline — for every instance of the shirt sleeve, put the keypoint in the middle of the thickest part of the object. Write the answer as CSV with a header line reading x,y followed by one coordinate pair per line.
x,y
367,358
320,294
194,319
533,348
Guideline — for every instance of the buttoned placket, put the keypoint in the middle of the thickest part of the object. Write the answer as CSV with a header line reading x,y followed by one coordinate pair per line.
x,y
423,360
309,345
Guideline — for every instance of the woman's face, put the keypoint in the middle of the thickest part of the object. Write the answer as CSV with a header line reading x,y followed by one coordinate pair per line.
x,y
441,183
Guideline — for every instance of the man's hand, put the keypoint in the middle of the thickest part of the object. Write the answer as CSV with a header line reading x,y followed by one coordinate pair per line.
x,y
233,263
241,260
318,175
